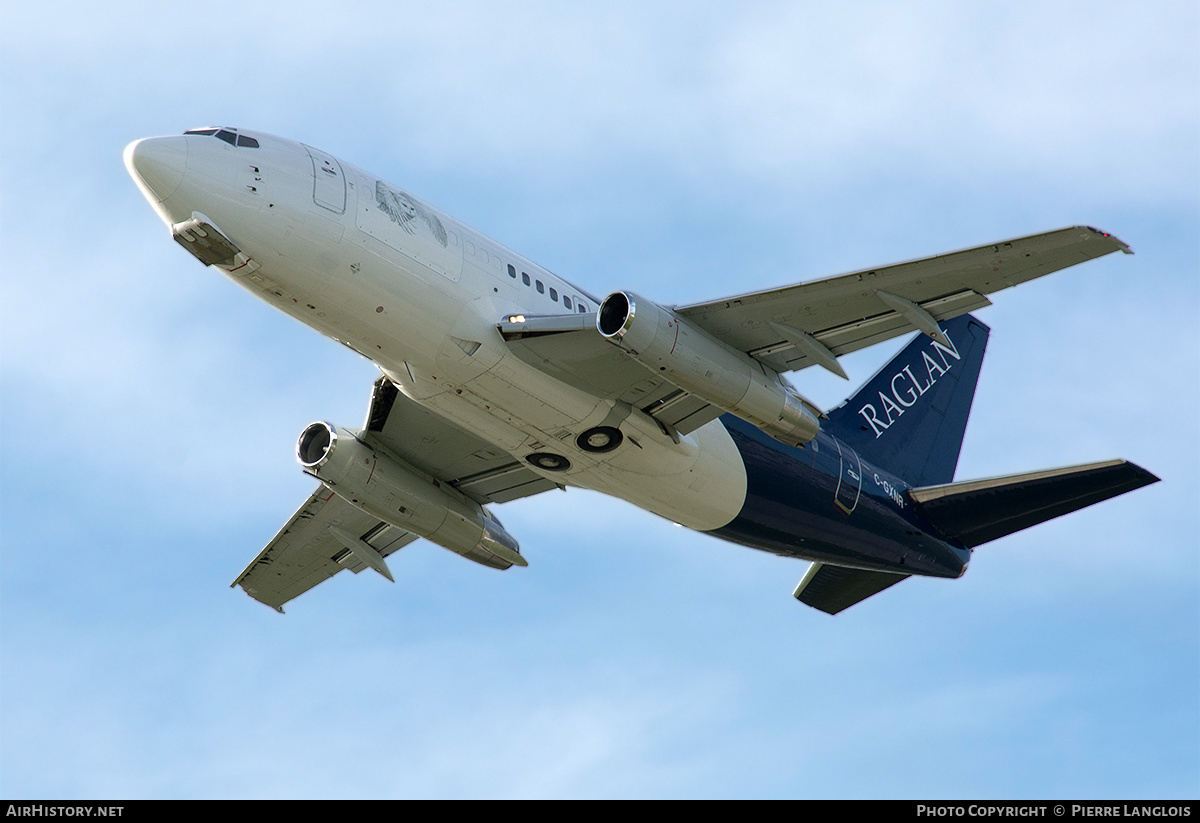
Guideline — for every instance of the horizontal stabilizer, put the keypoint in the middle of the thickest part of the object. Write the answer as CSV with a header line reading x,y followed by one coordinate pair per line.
x,y
833,588
978,511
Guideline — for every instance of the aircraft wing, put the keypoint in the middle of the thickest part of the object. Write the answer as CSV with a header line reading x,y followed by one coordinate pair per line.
x,y
314,546
569,348
328,534
808,324
852,311
478,469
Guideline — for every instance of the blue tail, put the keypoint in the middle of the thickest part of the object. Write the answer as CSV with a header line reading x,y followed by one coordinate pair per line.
x,y
911,416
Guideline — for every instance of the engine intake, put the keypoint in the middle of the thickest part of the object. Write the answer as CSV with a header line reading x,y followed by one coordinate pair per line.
x,y
314,444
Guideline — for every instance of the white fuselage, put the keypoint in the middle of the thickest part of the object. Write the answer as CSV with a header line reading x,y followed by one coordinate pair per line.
x,y
420,294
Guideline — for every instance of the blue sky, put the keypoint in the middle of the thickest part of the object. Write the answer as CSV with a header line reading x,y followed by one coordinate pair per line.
x,y
687,151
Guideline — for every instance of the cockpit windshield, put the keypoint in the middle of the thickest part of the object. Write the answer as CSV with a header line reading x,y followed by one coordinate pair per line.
x,y
230,136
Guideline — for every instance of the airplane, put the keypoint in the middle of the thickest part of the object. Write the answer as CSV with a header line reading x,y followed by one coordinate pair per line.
x,y
500,380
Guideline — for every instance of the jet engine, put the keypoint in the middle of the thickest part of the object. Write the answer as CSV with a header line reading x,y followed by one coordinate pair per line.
x,y
398,494
695,361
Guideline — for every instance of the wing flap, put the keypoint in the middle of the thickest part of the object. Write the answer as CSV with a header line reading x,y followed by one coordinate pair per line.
x,y
833,588
504,483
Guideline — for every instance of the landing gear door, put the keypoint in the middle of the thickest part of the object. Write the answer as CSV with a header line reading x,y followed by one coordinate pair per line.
x,y
329,185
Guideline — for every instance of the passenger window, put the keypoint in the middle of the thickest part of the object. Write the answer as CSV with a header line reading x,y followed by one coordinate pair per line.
x,y
554,295
582,307
541,289
525,278
566,301
512,272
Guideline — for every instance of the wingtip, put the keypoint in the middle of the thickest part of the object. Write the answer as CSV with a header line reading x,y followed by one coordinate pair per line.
x,y
1146,478
1123,246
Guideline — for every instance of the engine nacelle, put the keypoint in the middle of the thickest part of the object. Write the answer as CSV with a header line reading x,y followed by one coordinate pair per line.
x,y
698,363
398,494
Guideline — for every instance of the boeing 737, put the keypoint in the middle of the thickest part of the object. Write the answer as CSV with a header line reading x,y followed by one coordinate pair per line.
x,y
500,380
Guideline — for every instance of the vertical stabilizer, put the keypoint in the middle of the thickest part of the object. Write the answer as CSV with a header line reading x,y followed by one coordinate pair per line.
x,y
911,416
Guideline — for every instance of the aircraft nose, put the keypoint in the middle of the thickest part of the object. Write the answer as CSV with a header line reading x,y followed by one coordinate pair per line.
x,y
157,164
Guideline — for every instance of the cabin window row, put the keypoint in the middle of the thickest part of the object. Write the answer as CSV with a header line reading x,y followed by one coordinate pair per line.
x,y
578,303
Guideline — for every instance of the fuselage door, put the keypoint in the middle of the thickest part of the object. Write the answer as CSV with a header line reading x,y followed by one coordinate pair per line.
x,y
329,185
849,485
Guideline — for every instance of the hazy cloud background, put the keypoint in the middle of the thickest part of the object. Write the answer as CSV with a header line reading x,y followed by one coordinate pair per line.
x,y
685,150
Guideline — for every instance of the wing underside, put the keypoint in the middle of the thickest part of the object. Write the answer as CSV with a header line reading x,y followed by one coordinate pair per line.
x,y
314,546
328,534
812,323
418,436
852,311
569,348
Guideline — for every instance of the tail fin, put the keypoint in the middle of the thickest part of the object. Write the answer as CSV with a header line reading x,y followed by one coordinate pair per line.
x,y
911,416
978,511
